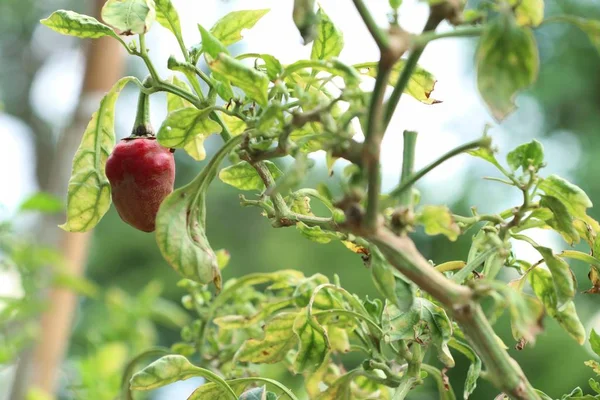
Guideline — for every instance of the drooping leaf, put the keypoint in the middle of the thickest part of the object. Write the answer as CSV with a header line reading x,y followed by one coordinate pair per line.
x,y
527,154
278,339
129,17
595,342
335,67
169,369
572,196
420,84
474,369
438,220
254,83
542,284
228,30
259,393
71,23
562,277
88,195
182,125
528,12
213,391
315,233
167,16
180,225
244,177
42,202
561,221
329,41
507,62
313,345
526,313
395,289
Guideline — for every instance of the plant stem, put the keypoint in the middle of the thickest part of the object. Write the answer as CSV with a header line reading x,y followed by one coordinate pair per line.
x,y
458,300
373,138
379,36
141,125
408,164
146,58
482,142
423,39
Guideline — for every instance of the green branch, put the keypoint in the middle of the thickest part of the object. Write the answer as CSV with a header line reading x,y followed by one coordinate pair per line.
x,y
482,142
379,36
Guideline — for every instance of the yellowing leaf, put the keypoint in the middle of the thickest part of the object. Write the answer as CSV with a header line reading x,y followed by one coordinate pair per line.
x,y
279,338
228,30
529,12
88,195
243,176
329,41
182,125
420,84
438,220
130,17
254,83
78,25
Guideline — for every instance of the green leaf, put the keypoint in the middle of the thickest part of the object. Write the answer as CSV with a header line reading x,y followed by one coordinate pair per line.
x,y
130,17
329,41
305,19
435,327
254,83
42,202
73,24
543,287
180,225
528,12
229,28
315,233
474,369
562,277
420,85
313,345
244,177
88,195
590,27
525,155
211,45
561,220
595,342
438,220
278,340
167,16
507,62
182,125
572,196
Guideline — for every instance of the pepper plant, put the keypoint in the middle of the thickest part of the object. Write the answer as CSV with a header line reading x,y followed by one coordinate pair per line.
x,y
265,110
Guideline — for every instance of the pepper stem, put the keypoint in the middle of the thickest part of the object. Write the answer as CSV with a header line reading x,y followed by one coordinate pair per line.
x,y
142,125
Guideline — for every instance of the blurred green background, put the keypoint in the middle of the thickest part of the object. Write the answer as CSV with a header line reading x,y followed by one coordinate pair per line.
x,y
562,110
